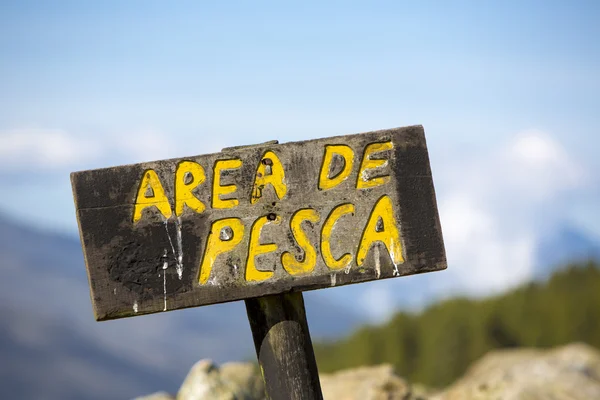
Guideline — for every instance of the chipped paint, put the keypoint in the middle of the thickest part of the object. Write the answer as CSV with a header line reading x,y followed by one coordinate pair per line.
x,y
377,262
396,272
169,236
333,279
164,267
364,176
178,255
179,250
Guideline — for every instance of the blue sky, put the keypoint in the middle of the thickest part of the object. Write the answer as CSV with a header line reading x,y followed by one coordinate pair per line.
x,y
508,93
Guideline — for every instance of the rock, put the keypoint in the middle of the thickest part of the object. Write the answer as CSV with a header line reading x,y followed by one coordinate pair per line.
x,y
571,372
247,376
242,381
420,391
156,396
233,381
365,383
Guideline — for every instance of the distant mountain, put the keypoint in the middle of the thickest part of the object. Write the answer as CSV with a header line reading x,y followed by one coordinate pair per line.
x,y
566,244
43,357
52,348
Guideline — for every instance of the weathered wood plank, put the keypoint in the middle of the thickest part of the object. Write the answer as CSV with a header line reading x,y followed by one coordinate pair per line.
x,y
142,257
283,347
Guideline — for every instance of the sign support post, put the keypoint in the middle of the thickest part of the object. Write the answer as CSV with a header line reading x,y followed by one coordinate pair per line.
x,y
283,346
261,224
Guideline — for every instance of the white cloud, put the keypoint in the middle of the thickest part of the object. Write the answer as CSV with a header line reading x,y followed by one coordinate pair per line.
x,y
483,252
32,149
53,149
540,165
492,206
140,146
537,149
46,148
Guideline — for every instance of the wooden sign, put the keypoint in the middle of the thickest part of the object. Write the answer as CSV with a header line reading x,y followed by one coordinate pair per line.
x,y
258,220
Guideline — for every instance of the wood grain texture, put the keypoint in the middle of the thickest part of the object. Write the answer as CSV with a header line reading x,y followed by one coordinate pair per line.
x,y
283,347
153,265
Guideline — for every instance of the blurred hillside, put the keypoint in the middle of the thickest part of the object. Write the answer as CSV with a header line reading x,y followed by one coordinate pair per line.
x,y
436,346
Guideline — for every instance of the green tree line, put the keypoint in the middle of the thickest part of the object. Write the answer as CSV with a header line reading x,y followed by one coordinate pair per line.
x,y
436,346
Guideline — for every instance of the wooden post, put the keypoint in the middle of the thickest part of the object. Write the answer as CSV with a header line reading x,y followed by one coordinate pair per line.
x,y
283,346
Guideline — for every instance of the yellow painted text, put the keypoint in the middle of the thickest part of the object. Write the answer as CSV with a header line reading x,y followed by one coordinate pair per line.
x,y
326,232
224,236
187,177
363,181
381,227
218,190
289,262
151,194
255,248
269,172
346,152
